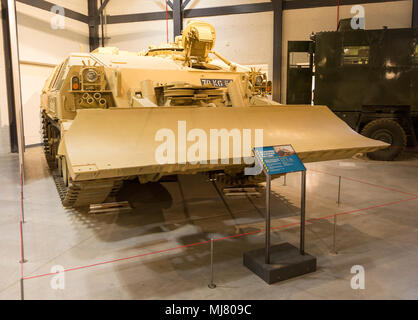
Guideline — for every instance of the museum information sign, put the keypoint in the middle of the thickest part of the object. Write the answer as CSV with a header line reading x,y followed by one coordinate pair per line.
x,y
279,159
283,261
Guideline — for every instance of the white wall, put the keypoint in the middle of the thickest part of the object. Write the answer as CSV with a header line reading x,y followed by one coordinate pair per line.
x,y
139,35
39,42
245,38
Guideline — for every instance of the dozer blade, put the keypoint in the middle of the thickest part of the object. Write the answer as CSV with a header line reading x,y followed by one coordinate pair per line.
x,y
109,143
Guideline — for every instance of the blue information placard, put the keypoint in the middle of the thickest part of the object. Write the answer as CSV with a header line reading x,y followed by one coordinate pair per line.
x,y
279,159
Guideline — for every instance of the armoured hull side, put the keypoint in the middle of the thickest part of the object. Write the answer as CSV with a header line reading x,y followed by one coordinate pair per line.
x,y
120,143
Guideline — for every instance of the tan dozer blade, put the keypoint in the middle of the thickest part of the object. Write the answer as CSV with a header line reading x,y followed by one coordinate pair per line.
x,y
121,143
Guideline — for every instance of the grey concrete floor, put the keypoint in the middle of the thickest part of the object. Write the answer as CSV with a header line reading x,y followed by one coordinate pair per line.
x,y
159,250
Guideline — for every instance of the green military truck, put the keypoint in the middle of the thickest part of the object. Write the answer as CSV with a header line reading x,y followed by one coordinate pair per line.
x,y
369,78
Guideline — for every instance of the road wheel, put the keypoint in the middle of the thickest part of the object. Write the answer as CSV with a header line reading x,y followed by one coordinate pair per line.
x,y
388,131
59,161
64,171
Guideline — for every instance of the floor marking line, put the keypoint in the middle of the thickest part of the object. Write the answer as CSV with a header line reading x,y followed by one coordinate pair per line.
x,y
219,239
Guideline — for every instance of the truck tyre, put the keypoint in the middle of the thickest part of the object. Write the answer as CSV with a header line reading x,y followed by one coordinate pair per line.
x,y
388,131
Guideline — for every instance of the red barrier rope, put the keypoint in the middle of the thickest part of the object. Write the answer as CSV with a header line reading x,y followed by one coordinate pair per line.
x,y
311,220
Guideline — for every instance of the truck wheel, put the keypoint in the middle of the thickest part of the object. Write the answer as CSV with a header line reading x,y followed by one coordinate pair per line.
x,y
388,131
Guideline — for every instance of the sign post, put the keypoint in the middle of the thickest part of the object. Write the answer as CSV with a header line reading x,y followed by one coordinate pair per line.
x,y
283,261
268,218
302,213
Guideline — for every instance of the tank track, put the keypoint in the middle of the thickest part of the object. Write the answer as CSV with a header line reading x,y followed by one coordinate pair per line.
x,y
240,180
78,193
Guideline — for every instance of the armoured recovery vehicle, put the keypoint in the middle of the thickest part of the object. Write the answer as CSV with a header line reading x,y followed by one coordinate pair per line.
x,y
369,78
104,116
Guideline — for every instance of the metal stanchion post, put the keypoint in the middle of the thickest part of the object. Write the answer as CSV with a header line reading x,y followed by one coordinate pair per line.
x,y
302,213
211,285
335,234
22,248
339,190
284,179
22,292
334,242
268,187
22,219
21,194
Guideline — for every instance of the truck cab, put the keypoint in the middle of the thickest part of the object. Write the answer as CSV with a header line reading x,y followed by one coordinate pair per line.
x,y
369,78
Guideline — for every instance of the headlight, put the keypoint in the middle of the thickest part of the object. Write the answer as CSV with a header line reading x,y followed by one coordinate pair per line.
x,y
91,75
259,81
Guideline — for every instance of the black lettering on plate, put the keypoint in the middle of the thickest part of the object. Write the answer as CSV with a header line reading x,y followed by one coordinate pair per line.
x,y
218,83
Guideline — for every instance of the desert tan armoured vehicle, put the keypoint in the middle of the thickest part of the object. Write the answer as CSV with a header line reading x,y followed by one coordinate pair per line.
x,y
107,117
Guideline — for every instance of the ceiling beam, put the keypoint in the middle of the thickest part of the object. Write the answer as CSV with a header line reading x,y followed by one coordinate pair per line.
x,y
177,18
277,48
306,4
201,12
139,17
226,10
45,5
103,6
94,20
235,9
185,4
